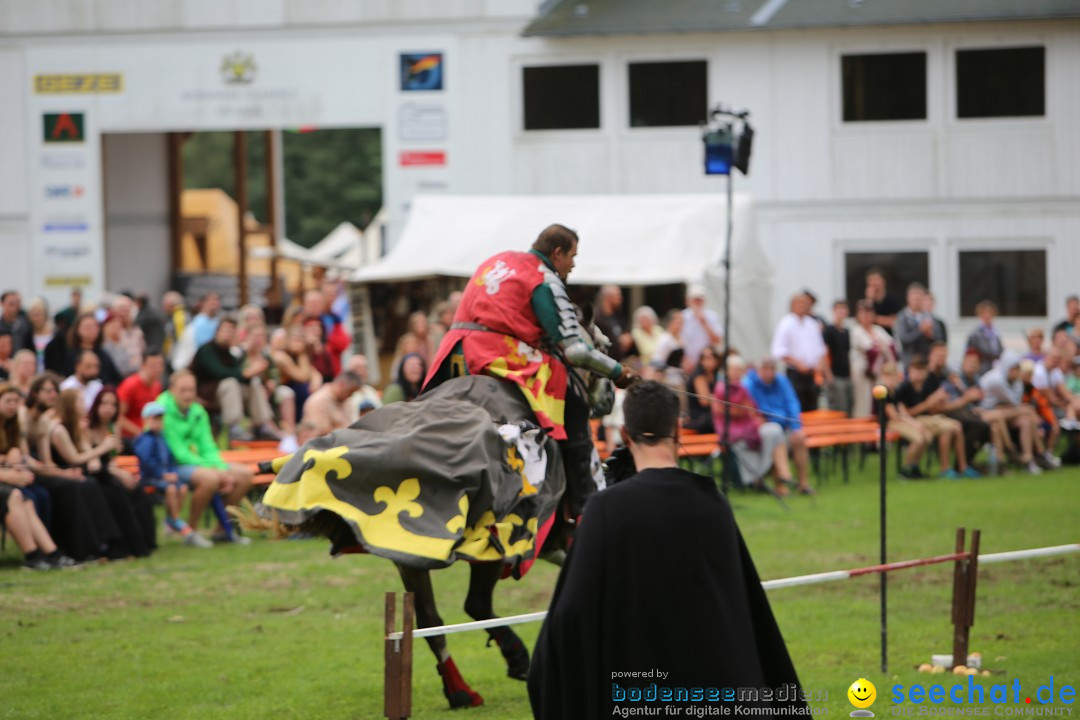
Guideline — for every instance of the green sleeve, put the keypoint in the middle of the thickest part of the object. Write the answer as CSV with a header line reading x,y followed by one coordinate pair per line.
x,y
175,439
393,393
547,313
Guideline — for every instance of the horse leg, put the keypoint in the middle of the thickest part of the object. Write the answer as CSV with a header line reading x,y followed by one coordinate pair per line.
x,y
457,691
478,605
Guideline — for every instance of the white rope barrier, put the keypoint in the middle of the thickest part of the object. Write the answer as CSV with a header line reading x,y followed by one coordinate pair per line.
x,y
814,579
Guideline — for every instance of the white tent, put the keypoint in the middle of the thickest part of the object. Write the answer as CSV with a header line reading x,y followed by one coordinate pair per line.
x,y
625,240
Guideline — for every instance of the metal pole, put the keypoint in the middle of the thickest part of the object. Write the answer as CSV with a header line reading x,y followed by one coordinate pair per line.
x,y
729,456
883,452
274,209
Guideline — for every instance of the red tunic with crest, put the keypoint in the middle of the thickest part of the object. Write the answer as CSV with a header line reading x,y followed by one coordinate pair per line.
x,y
499,297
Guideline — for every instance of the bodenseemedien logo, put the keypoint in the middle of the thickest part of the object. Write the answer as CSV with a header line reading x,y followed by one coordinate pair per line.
x,y
862,695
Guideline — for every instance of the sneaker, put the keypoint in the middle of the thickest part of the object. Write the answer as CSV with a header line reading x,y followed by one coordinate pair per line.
x,y
60,561
972,473
1051,461
1069,424
38,563
1033,469
949,474
911,472
238,433
236,539
194,539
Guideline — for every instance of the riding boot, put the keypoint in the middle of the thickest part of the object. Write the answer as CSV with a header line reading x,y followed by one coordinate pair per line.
x,y
513,651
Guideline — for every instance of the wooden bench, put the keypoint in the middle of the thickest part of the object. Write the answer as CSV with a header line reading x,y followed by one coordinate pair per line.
x,y
242,456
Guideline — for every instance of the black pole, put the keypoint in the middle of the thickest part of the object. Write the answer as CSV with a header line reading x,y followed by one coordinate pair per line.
x,y
882,452
729,456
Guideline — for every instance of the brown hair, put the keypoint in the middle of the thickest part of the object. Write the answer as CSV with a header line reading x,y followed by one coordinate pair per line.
x,y
73,331
37,383
553,237
67,411
10,430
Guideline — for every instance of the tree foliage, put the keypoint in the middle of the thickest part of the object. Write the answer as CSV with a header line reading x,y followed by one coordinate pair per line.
x,y
329,176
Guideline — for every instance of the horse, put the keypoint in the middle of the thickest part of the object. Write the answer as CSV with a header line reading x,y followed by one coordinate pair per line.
x,y
492,499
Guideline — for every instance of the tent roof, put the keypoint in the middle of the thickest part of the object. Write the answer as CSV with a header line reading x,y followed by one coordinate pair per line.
x,y
625,239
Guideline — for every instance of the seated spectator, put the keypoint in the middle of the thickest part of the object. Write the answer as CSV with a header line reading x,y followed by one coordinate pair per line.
x,y
914,328
322,358
358,365
1003,391
985,338
84,335
158,469
608,318
19,518
1050,378
418,329
189,437
297,373
646,333
223,376
37,314
959,403
249,317
204,324
7,351
758,443
776,401
85,379
123,307
23,369
926,402
701,384
1035,339
1038,400
409,381
797,342
137,390
965,385
327,408
837,337
70,447
917,436
256,345
1071,324
701,326
177,320
114,344
334,337
81,522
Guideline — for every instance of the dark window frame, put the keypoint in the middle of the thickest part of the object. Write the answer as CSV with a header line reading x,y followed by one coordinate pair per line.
x,y
695,64
966,298
885,260
972,52
849,104
554,68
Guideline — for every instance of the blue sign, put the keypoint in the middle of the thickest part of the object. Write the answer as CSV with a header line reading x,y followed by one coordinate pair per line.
x,y
421,71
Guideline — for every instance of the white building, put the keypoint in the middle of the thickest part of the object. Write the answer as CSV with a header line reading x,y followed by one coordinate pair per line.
x,y
936,137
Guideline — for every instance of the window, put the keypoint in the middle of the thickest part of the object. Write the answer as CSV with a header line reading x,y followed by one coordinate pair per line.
x,y
668,94
884,86
1003,82
562,97
900,270
1014,279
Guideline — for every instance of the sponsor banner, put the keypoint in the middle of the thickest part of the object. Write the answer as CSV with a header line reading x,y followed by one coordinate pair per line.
x,y
63,162
66,127
421,71
64,191
57,226
67,251
78,83
421,122
81,281
422,158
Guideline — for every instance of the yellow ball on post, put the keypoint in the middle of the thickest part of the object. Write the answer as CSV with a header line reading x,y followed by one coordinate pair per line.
x,y
881,392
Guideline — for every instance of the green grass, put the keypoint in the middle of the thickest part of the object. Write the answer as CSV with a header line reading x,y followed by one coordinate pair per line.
x,y
279,629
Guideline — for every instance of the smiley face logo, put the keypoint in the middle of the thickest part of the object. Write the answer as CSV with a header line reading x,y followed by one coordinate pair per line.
x,y
862,695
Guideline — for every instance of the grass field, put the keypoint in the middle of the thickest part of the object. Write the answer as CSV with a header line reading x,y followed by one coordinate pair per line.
x,y
279,629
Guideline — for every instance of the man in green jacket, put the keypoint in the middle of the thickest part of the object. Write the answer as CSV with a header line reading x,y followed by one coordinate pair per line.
x,y
191,442
235,383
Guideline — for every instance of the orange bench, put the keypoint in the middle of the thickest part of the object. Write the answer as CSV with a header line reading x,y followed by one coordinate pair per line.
x,y
244,456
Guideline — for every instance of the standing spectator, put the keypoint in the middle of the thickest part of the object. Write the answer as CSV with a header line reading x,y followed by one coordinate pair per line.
x,y
776,400
189,437
701,384
327,408
86,335
205,323
66,317
838,385
941,333
798,343
296,371
914,328
927,403
176,320
669,342
157,469
646,333
131,336
151,322
137,390
237,388
1035,339
14,320
608,318
1071,323
758,443
886,307
701,326
408,383
985,338
23,370
7,351
85,378
358,365
37,314
871,349
113,344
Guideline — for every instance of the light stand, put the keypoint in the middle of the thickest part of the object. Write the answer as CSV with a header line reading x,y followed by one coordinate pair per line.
x,y
727,137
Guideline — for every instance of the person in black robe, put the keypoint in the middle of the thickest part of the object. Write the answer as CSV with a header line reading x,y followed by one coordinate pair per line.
x,y
659,603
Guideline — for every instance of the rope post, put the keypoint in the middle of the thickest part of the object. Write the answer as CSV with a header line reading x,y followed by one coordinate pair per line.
x,y
880,394
965,576
397,667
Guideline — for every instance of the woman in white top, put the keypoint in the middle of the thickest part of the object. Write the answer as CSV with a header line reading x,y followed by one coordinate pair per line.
x,y
646,333
871,349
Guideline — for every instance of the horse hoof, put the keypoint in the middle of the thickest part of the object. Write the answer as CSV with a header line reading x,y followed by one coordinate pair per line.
x,y
515,654
464,699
